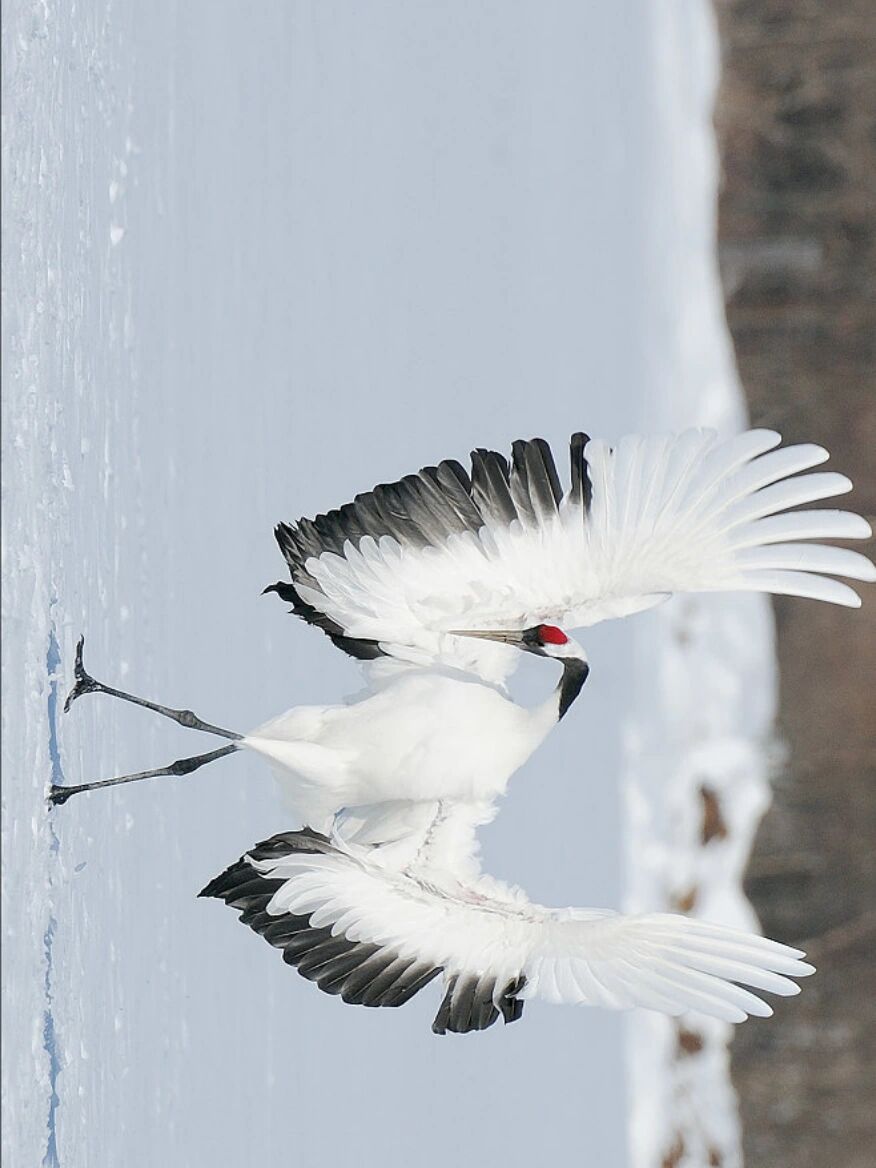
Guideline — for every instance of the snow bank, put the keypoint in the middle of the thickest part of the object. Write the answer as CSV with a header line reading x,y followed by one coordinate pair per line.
x,y
696,758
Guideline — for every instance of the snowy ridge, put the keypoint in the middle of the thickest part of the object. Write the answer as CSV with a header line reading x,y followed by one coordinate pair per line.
x,y
697,754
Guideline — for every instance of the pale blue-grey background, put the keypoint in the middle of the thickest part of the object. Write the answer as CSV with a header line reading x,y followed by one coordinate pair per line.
x,y
259,257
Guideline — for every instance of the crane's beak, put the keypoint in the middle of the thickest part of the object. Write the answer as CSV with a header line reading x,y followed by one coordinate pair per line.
x,y
511,638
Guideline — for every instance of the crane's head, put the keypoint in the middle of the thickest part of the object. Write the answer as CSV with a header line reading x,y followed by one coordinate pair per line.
x,y
543,640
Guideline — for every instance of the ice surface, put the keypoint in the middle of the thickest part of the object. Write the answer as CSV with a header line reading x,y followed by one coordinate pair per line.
x,y
258,258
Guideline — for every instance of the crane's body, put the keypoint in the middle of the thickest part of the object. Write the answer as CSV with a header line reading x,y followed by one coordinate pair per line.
x,y
419,735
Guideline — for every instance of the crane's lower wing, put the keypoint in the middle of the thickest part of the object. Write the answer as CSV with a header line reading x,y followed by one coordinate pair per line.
x,y
507,547
376,937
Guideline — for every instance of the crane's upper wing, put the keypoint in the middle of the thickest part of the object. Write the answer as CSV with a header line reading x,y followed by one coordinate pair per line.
x,y
507,547
376,937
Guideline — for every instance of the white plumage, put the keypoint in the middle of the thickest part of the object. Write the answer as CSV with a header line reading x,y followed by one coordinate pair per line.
x,y
375,933
422,735
683,513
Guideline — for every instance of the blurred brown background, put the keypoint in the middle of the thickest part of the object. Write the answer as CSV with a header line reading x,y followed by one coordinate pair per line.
x,y
796,119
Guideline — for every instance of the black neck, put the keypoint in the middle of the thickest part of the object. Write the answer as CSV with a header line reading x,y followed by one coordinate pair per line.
x,y
574,675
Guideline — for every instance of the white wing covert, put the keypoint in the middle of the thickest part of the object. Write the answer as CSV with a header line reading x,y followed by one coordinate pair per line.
x,y
376,936
506,547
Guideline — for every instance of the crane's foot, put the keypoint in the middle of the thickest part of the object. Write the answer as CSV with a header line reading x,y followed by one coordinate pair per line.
x,y
182,766
83,683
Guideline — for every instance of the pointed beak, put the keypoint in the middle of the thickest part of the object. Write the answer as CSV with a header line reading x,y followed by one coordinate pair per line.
x,y
514,638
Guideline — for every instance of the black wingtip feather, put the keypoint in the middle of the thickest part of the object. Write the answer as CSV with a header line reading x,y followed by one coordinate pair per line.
x,y
471,1004
360,648
550,469
362,973
582,488
543,482
491,491
509,1003
520,484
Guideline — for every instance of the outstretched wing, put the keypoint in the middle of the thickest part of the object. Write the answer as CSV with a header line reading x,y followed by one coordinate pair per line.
x,y
506,547
376,937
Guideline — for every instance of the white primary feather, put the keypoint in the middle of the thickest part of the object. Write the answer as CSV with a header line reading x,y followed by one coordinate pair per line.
x,y
670,514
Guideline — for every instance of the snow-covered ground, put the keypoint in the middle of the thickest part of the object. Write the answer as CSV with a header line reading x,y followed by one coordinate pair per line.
x,y
257,258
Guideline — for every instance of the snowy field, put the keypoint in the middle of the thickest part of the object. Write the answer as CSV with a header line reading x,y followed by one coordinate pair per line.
x,y
257,258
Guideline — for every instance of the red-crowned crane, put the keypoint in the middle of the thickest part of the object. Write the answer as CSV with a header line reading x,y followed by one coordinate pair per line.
x,y
437,582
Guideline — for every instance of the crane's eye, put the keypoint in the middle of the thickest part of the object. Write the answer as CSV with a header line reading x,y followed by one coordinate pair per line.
x,y
551,635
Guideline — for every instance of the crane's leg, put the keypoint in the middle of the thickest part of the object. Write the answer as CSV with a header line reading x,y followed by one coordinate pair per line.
x,y
182,766
84,684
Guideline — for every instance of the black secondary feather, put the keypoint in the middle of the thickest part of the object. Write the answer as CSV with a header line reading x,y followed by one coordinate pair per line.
x,y
424,510
362,973
362,648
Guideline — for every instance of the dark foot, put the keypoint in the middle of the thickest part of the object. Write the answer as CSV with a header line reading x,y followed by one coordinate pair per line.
x,y
182,766
83,684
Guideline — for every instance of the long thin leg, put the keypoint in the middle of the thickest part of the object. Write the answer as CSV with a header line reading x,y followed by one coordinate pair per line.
x,y
86,684
182,766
